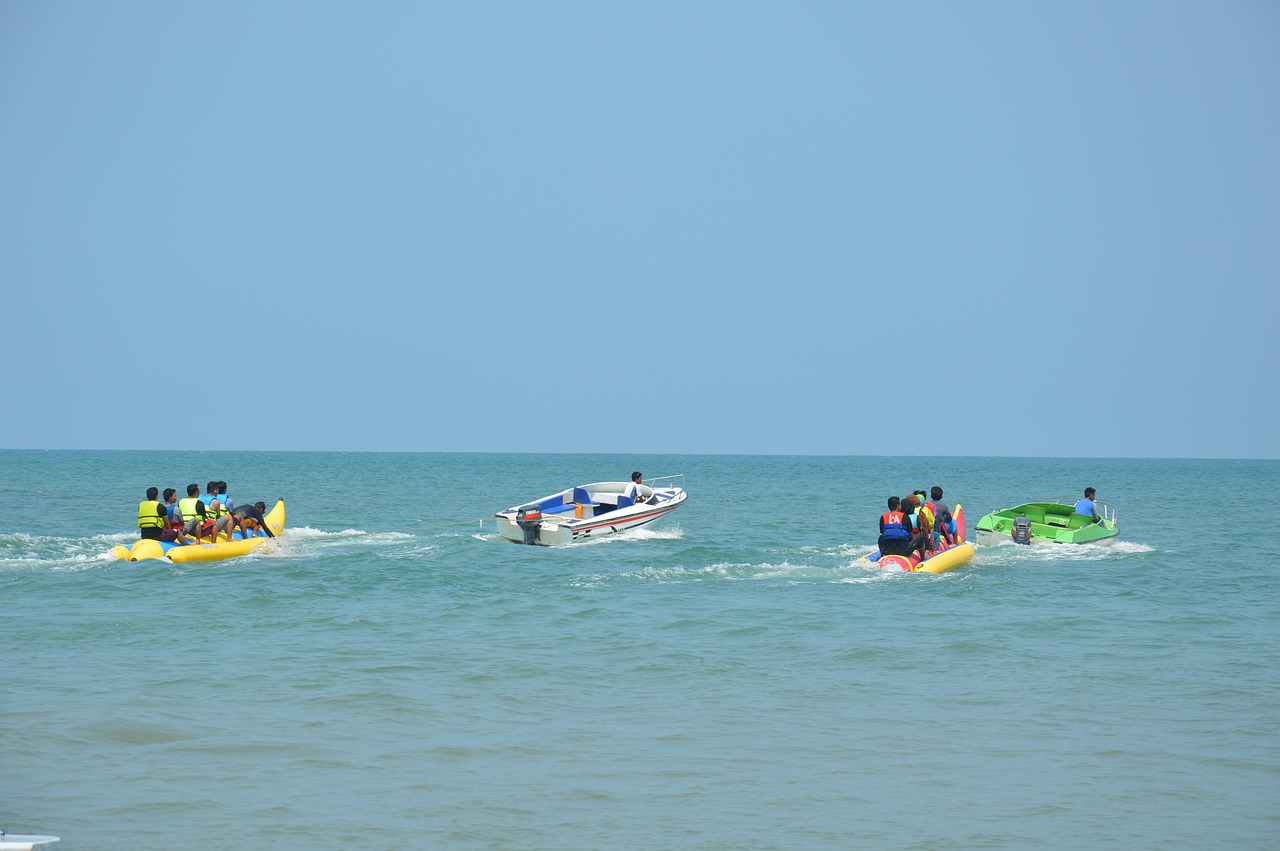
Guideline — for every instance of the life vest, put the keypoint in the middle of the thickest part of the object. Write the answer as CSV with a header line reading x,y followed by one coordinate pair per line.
x,y
926,517
895,525
208,499
187,507
149,514
173,520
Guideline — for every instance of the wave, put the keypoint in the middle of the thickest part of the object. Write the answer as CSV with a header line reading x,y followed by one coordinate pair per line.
x,y
1007,552
668,533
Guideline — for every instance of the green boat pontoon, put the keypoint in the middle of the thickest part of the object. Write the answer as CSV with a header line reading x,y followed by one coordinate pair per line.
x,y
1049,523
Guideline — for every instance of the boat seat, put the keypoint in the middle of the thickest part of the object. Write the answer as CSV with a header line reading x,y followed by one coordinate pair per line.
x,y
625,501
581,497
559,509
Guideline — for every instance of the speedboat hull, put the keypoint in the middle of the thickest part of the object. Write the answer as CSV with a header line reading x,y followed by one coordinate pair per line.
x,y
1050,523
586,512
212,551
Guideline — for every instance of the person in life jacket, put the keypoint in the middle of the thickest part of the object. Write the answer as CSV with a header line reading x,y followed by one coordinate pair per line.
x,y
895,530
227,504
151,516
920,537
196,519
212,505
172,519
944,525
924,518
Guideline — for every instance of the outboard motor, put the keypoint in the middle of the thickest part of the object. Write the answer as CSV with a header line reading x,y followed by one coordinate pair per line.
x,y
1022,531
529,519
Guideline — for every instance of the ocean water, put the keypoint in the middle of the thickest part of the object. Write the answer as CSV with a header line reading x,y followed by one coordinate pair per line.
x,y
391,674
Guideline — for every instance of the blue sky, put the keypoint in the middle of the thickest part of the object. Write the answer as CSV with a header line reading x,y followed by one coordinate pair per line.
x,y
996,228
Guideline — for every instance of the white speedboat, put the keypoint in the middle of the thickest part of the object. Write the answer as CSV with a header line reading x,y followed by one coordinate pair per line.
x,y
588,511
27,842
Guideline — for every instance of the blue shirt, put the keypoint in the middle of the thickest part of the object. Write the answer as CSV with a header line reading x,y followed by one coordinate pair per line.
x,y
1086,507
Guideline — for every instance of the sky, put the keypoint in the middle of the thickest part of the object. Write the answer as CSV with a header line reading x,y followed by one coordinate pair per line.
x,y
831,228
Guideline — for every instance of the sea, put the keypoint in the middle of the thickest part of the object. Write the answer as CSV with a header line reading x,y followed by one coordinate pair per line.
x,y
392,674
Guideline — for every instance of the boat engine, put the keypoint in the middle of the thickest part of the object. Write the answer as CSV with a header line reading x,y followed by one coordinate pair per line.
x,y
529,519
1022,531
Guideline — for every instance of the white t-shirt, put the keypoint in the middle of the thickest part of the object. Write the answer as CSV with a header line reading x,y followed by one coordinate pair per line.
x,y
633,491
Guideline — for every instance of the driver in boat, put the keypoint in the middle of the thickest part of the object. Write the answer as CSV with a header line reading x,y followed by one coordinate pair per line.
x,y
1086,506
633,490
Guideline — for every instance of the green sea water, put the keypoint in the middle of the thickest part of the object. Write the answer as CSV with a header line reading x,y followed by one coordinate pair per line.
x,y
391,674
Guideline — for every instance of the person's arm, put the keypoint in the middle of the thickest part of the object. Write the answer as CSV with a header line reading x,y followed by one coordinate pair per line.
x,y
262,523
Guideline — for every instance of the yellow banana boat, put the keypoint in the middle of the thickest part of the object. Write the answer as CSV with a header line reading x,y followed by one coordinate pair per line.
x,y
213,551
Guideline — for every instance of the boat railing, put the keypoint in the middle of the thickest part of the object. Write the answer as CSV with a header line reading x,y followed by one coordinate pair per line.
x,y
679,476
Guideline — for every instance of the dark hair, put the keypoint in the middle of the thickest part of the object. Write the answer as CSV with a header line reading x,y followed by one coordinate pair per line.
x,y
261,506
193,489
935,492
152,492
168,492
212,487
894,502
222,487
1089,492
917,493
636,475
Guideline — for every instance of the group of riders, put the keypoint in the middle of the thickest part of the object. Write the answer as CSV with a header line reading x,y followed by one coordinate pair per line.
x,y
914,525
198,516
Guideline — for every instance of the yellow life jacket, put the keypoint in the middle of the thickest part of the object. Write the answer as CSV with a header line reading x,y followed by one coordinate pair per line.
x,y
149,515
187,507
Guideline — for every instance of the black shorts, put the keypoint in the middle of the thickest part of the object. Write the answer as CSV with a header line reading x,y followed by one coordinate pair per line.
x,y
894,546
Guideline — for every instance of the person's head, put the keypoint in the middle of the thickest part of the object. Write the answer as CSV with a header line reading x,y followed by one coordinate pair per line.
x,y
920,497
894,503
261,506
909,502
152,493
222,487
935,492
170,494
1089,492
193,489
212,487
636,477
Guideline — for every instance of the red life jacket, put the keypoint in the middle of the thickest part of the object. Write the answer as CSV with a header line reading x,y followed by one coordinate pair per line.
x,y
894,525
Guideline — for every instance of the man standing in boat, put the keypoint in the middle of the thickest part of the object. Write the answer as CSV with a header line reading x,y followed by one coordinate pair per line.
x,y
1087,506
